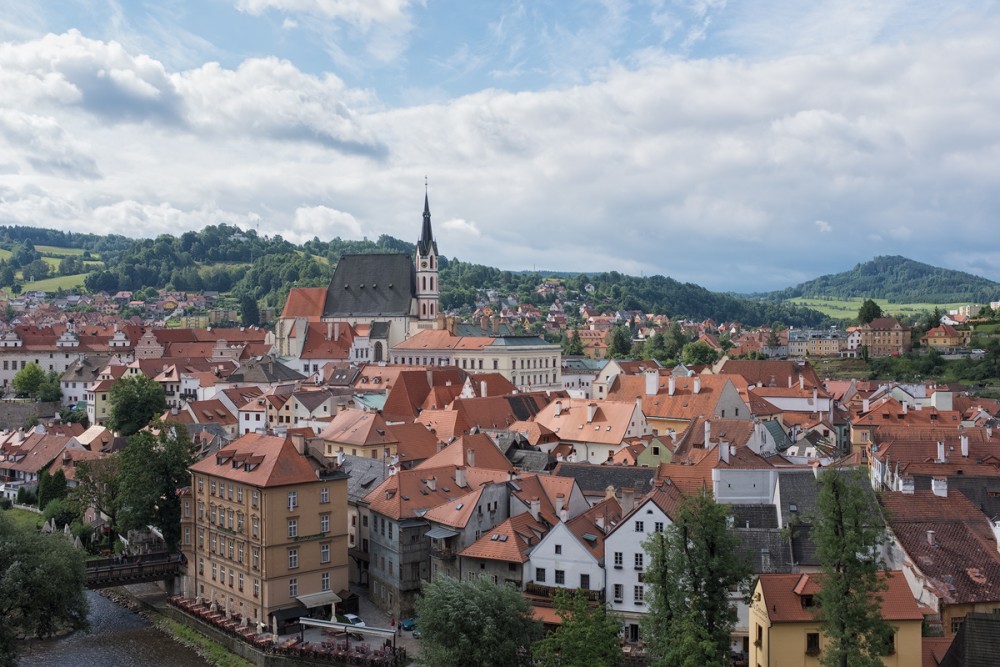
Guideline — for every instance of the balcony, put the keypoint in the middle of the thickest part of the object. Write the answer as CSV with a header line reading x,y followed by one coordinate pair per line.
x,y
549,591
443,554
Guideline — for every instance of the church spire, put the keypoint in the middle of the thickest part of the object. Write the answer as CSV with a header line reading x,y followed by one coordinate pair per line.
x,y
426,241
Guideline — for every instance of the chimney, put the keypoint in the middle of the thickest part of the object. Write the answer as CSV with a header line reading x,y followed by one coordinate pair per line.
x,y
599,522
560,501
482,389
815,467
496,325
470,457
816,398
940,452
802,382
906,408
558,408
460,477
336,331
628,499
652,382
609,492
299,441
939,486
931,537
591,412
708,434
866,405
329,330
535,507
340,458
964,439
789,381
724,452
671,385
697,384
563,515
431,483
906,485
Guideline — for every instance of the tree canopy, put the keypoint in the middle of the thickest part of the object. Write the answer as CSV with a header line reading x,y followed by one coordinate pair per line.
x,y
28,380
849,535
587,636
153,467
694,568
133,402
41,586
98,485
474,622
869,311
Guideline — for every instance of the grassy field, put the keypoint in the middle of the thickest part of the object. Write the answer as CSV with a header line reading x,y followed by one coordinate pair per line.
x,y
5,254
24,518
847,309
56,250
59,282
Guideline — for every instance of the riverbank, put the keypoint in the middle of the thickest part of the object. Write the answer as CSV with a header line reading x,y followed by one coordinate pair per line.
x,y
149,602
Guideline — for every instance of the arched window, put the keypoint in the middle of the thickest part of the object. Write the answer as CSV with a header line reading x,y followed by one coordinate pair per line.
x,y
423,308
432,283
423,282
378,351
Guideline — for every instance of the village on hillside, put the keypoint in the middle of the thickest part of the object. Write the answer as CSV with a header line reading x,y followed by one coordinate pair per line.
x,y
368,441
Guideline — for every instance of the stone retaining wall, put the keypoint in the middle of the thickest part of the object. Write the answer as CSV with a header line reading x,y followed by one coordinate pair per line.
x,y
14,413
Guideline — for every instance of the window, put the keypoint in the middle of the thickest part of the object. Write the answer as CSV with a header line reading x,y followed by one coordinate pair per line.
x,y
324,581
187,509
256,526
214,570
229,492
558,549
585,582
293,527
230,549
213,487
639,527
324,495
812,643
638,560
619,591
658,526
956,623
293,587
254,498
240,552
540,574
213,543
324,553
560,577
293,500
256,588
241,581
293,559
638,592
618,560
187,535
390,530
239,494
222,573
256,558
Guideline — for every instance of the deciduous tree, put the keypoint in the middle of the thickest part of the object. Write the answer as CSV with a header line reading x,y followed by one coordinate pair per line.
x,y
98,485
869,311
695,568
587,636
474,622
41,586
154,466
29,379
849,535
133,402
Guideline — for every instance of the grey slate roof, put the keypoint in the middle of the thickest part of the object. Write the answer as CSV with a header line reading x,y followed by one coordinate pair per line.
x,y
377,284
754,516
364,474
595,479
767,549
781,439
264,371
977,643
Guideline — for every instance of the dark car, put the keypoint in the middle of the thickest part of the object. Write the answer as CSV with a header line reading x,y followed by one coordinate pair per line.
x,y
408,623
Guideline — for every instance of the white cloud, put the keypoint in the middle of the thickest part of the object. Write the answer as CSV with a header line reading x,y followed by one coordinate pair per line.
x,y
459,226
324,222
362,13
823,226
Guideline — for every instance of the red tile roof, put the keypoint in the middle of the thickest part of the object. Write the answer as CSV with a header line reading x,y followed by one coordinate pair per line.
x,y
785,605
259,460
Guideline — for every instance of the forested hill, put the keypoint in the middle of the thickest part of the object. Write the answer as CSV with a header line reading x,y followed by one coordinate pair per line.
x,y
227,259
900,280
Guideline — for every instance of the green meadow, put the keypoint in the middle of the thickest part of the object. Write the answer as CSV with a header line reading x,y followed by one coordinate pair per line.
x,y
847,309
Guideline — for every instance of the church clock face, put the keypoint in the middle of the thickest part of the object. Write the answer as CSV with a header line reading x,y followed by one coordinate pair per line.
x,y
423,264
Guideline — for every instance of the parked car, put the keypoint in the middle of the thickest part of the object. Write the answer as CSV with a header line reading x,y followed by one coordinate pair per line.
x,y
353,619
408,623
416,634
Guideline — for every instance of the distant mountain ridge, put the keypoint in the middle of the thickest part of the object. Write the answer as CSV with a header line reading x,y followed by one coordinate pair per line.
x,y
897,279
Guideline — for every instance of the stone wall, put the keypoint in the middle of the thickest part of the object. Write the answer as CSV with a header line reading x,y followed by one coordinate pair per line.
x,y
14,413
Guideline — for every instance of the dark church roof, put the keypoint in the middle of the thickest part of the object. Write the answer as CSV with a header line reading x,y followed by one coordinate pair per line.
x,y
426,242
379,284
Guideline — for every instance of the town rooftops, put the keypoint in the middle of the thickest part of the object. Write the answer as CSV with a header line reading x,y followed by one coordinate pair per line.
x,y
783,595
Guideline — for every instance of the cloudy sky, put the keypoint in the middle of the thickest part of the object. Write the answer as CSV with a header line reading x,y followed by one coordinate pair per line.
x,y
742,146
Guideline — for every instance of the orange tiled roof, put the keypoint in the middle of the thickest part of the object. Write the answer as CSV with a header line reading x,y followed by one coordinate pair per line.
x,y
784,605
511,541
259,460
477,451
305,302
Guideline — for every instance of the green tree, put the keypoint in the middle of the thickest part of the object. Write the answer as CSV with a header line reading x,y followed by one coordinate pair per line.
x,y
29,379
249,312
98,485
50,390
41,587
154,466
621,343
574,346
694,567
61,512
474,622
587,636
699,354
849,536
133,402
51,487
869,311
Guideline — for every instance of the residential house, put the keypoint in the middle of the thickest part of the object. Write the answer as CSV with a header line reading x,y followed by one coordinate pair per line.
x,y
885,336
594,430
786,632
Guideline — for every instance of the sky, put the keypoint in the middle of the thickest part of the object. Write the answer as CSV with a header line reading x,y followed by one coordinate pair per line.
x,y
742,146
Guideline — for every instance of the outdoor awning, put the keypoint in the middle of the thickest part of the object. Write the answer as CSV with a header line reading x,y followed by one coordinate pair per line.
x,y
440,533
289,612
321,599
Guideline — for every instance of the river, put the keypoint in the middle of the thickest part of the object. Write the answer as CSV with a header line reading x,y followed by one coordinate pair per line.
x,y
118,637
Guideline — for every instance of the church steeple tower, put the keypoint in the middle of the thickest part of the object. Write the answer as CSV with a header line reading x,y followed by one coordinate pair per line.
x,y
426,263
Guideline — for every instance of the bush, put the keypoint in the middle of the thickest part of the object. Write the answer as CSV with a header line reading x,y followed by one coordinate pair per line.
x,y
5,504
61,512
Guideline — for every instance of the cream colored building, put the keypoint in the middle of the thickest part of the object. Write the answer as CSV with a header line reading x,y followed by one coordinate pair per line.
x,y
784,632
264,531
